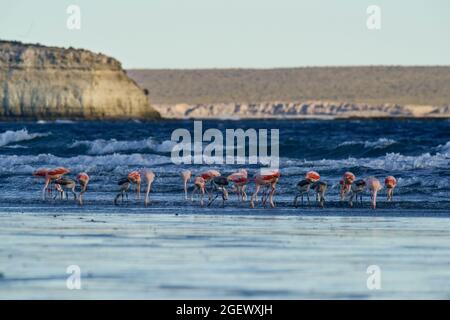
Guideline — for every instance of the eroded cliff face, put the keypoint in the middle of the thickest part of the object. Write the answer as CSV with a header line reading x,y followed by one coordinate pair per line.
x,y
38,82
299,110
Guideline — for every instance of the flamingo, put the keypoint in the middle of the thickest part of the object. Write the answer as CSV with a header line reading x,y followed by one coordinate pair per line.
x,y
374,186
149,177
312,176
208,176
219,184
66,182
186,176
83,180
239,180
356,189
266,179
346,183
320,187
124,186
303,186
135,178
390,182
199,185
50,175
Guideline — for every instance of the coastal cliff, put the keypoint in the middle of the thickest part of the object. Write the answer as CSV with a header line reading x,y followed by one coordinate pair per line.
x,y
39,82
299,110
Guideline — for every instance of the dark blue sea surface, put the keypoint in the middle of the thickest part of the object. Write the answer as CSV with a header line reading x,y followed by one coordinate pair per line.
x,y
417,152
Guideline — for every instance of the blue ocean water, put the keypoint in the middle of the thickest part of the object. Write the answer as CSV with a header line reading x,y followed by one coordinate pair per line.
x,y
417,152
176,249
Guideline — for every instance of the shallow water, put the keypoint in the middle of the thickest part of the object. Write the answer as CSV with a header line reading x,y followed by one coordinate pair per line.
x,y
258,256
175,249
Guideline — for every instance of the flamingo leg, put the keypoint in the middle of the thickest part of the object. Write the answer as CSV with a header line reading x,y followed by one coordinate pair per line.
x,y
272,192
296,200
138,190
374,200
322,200
193,192
149,186
202,194
210,190
254,196
74,193
350,200
47,181
80,196
265,196
212,200
224,191
185,190
117,197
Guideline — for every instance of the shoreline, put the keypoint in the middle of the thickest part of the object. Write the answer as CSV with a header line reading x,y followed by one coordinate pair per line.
x,y
162,119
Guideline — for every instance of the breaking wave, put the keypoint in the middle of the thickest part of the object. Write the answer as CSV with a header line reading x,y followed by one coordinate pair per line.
x,y
378,144
389,162
444,149
9,136
101,146
28,164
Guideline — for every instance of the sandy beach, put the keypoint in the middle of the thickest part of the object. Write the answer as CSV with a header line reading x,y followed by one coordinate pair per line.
x,y
155,253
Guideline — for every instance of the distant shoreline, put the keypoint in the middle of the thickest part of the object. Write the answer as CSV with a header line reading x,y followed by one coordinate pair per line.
x,y
322,110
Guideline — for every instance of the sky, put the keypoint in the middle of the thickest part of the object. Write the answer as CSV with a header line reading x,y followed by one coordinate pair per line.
x,y
191,34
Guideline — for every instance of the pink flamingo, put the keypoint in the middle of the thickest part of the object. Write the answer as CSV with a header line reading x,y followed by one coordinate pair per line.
x,y
208,176
303,186
357,189
390,182
186,176
266,179
149,177
50,175
199,185
240,180
135,178
346,184
374,186
312,176
219,185
320,187
62,183
83,180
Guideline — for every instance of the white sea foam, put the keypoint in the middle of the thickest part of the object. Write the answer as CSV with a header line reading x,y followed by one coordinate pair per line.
x,y
9,136
389,162
101,146
394,161
27,164
378,144
444,149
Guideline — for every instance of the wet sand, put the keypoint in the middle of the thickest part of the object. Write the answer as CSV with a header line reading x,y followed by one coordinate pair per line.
x,y
250,254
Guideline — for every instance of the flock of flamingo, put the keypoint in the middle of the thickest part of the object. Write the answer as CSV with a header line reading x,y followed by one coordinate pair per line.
x,y
214,184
